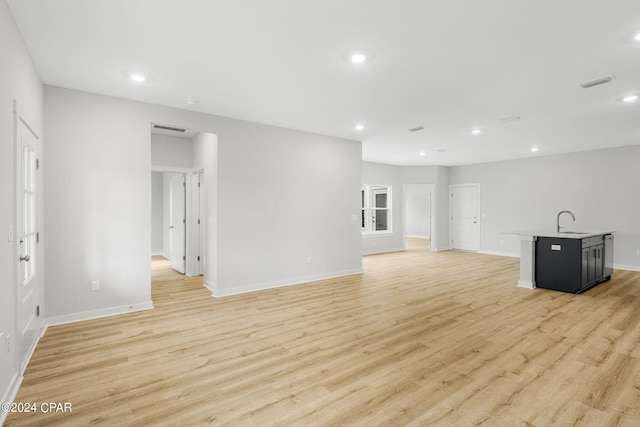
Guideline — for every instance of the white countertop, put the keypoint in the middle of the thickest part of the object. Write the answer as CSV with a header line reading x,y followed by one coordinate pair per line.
x,y
567,234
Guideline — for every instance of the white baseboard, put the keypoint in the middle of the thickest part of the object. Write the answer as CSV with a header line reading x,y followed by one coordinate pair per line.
x,y
626,267
499,253
211,286
526,284
279,283
157,253
415,236
96,314
382,251
10,394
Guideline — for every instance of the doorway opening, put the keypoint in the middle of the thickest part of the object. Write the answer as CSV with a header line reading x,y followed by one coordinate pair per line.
x,y
419,218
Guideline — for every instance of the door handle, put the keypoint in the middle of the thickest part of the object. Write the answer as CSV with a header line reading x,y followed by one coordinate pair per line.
x,y
171,227
25,258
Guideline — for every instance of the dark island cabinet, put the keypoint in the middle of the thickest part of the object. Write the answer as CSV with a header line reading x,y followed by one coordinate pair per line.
x,y
573,264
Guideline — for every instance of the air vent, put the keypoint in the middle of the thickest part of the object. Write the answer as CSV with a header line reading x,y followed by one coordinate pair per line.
x,y
416,129
509,119
169,128
596,82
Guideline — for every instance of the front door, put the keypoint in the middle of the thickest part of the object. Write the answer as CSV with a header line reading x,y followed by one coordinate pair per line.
x,y
177,216
463,208
27,240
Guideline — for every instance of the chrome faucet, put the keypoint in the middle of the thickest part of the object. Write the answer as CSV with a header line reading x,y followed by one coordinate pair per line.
x,y
558,220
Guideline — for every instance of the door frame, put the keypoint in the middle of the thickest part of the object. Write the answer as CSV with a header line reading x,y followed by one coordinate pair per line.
x,y
431,190
192,248
19,117
475,185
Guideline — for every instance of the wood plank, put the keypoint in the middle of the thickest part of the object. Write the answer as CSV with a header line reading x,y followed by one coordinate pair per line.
x,y
420,338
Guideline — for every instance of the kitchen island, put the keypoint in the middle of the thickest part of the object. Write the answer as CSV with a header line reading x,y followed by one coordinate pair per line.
x,y
570,261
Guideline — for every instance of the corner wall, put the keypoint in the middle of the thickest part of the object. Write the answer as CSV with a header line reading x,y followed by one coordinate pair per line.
x,y
18,81
278,197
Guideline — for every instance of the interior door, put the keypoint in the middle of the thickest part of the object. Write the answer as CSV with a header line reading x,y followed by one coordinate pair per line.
x,y
177,216
463,208
27,240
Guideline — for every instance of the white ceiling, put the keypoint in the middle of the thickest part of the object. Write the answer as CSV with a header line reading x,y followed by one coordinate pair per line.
x,y
447,65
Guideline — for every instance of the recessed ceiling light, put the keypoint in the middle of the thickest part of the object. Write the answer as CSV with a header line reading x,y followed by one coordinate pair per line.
x,y
358,58
138,78
192,101
422,153
630,98
534,149
359,127
637,37
476,131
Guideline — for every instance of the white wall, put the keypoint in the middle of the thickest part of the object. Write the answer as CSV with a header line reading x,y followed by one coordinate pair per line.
x,y
285,196
98,205
599,187
282,196
171,151
18,81
417,211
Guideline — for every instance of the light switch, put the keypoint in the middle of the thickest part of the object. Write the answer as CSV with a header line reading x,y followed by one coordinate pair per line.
x,y
10,234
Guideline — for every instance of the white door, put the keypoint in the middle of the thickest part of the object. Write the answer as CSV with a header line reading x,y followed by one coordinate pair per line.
x,y
177,215
27,240
464,207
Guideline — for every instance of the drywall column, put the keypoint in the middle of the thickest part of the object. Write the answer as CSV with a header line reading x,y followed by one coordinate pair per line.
x,y
440,236
205,159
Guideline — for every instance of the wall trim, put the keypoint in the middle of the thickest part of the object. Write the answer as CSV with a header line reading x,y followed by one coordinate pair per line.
x,y
96,314
217,293
18,377
500,253
10,394
383,251
626,267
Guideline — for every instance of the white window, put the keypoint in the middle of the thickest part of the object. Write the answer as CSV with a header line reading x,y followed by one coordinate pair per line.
x,y
376,208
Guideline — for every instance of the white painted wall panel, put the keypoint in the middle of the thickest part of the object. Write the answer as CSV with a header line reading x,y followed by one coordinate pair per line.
x,y
282,195
171,151
597,186
18,81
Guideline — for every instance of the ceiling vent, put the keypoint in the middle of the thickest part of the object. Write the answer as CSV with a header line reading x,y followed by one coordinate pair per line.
x,y
509,119
181,130
416,129
596,82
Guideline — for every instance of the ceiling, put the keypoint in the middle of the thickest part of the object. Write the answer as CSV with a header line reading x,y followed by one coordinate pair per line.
x,y
450,66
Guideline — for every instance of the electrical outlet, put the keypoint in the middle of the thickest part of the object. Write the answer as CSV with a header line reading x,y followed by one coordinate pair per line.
x,y
308,260
95,285
8,343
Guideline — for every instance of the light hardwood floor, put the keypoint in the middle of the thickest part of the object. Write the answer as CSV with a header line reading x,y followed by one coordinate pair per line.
x,y
421,338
